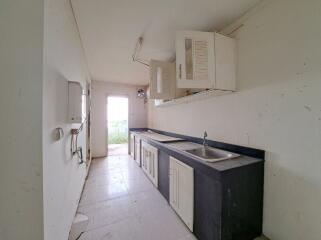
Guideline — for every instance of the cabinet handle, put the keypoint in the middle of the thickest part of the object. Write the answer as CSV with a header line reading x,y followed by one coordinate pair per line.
x,y
180,71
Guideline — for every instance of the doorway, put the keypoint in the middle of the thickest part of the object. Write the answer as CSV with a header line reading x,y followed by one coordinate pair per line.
x,y
117,125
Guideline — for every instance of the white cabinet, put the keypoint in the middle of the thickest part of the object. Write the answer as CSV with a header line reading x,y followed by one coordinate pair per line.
x,y
132,145
205,60
225,62
137,150
181,190
162,80
194,59
149,161
162,83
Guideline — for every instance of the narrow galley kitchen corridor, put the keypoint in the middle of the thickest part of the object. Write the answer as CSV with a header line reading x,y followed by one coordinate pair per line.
x,y
121,203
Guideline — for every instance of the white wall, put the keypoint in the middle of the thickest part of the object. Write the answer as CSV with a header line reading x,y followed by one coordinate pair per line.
x,y
63,176
137,116
21,34
277,108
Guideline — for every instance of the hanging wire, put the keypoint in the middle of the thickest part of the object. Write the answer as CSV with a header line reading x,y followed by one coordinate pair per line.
x,y
74,149
138,48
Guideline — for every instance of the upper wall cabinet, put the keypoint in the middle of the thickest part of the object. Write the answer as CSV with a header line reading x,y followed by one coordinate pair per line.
x,y
205,60
194,59
162,80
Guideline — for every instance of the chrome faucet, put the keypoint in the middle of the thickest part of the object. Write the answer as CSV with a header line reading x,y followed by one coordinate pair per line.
x,y
204,139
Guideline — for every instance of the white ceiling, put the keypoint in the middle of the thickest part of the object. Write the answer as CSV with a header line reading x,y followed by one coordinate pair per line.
x,y
109,30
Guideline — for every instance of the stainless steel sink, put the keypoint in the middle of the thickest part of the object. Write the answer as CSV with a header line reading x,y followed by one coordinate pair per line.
x,y
209,154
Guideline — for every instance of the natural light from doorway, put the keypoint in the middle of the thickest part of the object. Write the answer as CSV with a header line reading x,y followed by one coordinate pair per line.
x,y
117,121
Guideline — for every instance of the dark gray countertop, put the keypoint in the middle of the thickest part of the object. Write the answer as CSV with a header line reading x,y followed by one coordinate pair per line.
x,y
177,149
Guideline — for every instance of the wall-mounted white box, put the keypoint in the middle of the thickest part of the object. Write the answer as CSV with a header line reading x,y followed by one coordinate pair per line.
x,y
75,102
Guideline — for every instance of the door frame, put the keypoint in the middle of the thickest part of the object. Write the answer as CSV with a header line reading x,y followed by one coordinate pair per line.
x,y
106,115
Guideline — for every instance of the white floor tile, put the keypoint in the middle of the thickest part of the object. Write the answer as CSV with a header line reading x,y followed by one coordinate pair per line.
x,y
121,203
110,177
103,192
108,212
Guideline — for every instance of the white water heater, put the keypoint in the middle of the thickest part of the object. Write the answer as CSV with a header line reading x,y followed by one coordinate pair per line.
x,y
75,102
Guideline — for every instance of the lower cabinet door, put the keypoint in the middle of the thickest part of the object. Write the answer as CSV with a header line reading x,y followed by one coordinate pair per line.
x,y
153,167
143,156
150,162
145,159
132,145
138,152
181,183
173,184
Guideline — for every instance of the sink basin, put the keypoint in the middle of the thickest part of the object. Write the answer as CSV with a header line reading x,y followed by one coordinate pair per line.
x,y
211,154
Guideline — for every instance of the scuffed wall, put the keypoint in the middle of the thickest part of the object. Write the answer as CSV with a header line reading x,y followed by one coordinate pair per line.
x,y
21,39
63,61
137,116
277,108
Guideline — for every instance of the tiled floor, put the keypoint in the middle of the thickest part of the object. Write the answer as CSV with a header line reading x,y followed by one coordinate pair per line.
x,y
117,149
122,204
